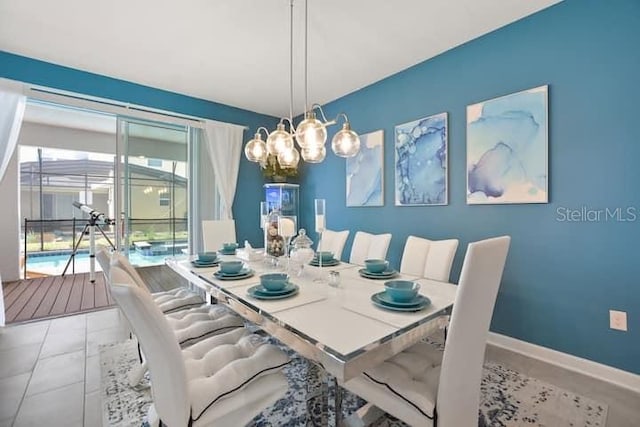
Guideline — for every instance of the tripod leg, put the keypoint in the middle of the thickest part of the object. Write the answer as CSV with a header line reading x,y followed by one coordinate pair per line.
x,y
106,237
92,254
75,249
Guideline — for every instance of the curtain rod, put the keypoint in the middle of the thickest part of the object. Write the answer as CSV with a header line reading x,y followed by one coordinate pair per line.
x,y
111,106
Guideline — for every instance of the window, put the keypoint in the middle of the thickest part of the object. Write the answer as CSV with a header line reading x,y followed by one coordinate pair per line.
x,y
165,197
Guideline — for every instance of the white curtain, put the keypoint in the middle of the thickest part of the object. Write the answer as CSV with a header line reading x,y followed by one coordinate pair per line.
x,y
224,142
11,114
1,304
204,201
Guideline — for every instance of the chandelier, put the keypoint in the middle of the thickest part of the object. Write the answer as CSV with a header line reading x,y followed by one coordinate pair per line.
x,y
310,134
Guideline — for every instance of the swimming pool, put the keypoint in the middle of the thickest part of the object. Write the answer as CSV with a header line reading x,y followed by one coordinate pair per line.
x,y
54,264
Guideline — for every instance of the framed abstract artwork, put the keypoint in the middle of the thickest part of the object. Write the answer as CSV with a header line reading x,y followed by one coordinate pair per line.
x,y
365,172
507,143
421,162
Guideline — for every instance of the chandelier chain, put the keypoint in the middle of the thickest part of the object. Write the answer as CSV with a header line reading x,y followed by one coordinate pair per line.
x,y
291,64
311,133
306,56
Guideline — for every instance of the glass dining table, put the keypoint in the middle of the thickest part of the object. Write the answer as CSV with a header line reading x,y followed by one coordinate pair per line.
x,y
339,328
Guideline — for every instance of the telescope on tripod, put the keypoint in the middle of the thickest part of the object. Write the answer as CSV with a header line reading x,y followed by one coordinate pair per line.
x,y
94,222
94,214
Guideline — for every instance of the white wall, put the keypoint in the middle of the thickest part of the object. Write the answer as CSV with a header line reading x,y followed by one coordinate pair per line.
x,y
42,135
10,223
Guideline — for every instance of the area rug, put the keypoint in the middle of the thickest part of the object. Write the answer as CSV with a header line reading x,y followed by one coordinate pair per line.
x,y
122,405
508,398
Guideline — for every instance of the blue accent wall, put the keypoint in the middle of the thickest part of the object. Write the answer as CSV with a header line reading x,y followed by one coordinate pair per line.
x,y
46,74
561,277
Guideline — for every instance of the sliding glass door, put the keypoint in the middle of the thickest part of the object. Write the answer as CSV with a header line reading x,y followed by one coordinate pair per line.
x,y
153,200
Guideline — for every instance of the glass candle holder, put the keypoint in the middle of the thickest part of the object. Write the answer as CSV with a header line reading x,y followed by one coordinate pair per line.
x,y
264,214
320,211
287,229
320,215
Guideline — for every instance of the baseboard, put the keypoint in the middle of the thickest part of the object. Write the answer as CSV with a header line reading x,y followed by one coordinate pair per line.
x,y
597,370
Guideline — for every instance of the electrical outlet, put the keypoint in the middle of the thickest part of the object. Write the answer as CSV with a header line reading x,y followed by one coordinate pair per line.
x,y
618,320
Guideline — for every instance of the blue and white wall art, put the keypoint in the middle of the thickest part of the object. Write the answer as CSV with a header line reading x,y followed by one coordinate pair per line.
x,y
365,172
507,149
421,161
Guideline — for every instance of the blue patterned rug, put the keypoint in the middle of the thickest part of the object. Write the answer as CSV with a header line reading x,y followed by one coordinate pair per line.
x,y
508,398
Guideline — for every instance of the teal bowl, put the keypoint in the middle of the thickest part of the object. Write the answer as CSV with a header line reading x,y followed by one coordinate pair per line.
x,y
231,267
376,265
401,290
207,256
274,281
325,256
228,247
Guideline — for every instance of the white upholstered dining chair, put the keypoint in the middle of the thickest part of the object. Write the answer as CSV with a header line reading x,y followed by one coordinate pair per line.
x,y
225,380
191,324
178,301
369,246
175,300
333,241
217,232
423,386
431,259
105,258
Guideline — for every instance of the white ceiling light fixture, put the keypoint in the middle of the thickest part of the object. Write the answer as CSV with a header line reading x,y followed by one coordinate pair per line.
x,y
279,142
311,133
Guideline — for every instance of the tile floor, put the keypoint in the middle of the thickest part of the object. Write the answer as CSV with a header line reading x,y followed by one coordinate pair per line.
x,y
50,371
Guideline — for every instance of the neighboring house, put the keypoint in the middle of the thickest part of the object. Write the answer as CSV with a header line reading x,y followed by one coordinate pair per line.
x,y
91,182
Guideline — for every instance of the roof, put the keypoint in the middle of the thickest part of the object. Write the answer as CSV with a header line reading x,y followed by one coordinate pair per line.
x,y
72,173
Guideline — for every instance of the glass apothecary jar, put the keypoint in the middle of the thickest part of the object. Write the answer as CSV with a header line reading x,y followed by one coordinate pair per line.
x,y
274,242
301,250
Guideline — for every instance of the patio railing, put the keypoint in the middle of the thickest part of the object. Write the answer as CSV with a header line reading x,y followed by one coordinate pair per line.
x,y
60,236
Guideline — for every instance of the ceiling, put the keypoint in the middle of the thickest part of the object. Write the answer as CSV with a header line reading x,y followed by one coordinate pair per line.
x,y
236,52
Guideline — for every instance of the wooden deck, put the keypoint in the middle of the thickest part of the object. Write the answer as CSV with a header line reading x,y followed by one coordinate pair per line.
x,y
54,296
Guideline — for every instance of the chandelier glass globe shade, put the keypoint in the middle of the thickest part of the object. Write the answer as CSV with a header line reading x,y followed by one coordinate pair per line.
x,y
289,158
311,132
256,150
279,140
346,142
314,154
